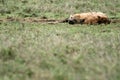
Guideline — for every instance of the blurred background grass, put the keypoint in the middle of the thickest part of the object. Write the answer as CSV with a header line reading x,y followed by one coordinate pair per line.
x,y
57,9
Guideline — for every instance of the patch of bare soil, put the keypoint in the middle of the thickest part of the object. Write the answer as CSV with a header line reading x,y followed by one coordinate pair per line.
x,y
43,19
30,19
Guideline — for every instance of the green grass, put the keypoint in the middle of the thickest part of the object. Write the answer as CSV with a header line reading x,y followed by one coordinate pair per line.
x,y
59,52
37,51
57,9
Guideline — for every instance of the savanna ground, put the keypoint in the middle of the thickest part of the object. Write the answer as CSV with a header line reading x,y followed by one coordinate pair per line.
x,y
39,51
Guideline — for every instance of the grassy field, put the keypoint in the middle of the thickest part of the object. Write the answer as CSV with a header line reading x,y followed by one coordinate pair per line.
x,y
38,51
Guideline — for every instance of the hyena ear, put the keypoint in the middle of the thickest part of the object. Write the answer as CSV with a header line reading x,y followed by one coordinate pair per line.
x,y
98,17
71,16
82,21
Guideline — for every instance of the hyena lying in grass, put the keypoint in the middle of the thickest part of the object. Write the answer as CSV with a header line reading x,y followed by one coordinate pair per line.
x,y
88,18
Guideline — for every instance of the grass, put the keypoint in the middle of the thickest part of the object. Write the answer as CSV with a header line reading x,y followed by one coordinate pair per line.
x,y
39,51
57,9
59,52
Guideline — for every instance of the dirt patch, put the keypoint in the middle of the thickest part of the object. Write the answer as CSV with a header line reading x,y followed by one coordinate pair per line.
x,y
30,19
43,20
